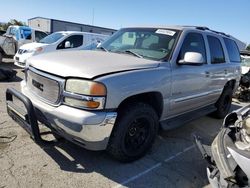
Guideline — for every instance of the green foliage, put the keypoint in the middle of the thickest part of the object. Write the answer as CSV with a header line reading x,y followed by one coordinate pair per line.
x,y
248,47
4,26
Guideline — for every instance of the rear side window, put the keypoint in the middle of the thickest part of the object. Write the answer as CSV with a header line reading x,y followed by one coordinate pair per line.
x,y
216,50
75,41
232,49
193,42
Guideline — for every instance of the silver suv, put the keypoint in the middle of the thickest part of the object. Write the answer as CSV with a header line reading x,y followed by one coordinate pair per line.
x,y
117,96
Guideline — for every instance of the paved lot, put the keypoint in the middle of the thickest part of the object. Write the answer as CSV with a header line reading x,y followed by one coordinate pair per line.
x,y
172,162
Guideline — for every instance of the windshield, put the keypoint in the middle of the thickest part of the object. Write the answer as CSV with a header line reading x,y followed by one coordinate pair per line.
x,y
150,43
245,61
52,38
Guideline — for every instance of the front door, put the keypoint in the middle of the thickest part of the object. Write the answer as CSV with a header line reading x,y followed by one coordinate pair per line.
x,y
190,82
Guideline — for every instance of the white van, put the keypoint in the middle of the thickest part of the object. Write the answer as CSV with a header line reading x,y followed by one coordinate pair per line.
x,y
63,40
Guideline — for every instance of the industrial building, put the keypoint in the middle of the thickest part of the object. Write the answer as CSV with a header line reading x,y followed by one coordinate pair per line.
x,y
52,25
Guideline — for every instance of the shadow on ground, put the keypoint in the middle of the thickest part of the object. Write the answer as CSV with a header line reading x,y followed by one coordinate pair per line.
x,y
187,170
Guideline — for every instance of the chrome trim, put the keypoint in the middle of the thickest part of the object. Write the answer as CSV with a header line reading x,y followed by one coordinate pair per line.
x,y
18,113
197,95
110,119
60,81
101,100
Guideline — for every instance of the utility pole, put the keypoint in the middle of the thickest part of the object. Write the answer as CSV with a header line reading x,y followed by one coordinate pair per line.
x,y
93,16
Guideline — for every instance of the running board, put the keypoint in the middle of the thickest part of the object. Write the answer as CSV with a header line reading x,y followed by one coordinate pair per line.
x,y
177,121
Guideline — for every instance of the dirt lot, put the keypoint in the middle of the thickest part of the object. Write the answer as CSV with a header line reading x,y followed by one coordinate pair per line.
x,y
172,162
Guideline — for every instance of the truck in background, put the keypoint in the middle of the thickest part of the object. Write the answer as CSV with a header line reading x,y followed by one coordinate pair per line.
x,y
15,37
62,40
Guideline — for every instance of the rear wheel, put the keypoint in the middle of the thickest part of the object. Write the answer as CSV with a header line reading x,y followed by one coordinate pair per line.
x,y
223,105
134,132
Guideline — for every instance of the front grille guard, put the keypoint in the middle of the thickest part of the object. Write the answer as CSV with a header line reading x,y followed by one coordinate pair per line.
x,y
26,119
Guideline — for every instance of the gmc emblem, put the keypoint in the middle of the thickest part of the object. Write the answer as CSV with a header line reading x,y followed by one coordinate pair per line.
x,y
37,84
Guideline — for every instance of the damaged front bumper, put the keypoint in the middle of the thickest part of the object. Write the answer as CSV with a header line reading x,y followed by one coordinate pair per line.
x,y
90,130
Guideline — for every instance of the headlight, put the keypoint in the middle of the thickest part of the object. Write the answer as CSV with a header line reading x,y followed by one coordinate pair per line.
x,y
85,87
36,50
85,94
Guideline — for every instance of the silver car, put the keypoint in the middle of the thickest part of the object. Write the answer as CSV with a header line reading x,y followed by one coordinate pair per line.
x,y
117,96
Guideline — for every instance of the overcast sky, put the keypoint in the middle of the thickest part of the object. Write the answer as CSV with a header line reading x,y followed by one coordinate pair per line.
x,y
229,16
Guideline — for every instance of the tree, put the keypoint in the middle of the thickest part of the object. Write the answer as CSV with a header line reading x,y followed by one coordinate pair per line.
x,y
248,47
4,26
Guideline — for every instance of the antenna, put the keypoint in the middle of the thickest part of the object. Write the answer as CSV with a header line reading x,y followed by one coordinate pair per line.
x,y
93,16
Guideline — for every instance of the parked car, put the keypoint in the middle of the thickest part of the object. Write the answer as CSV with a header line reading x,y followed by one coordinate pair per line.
x,y
245,61
140,79
63,40
243,91
16,36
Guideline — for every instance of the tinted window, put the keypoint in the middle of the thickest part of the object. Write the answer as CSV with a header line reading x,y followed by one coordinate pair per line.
x,y
39,35
232,50
216,51
75,41
193,42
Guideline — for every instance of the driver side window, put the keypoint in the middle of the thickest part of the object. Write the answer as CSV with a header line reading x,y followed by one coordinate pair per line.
x,y
75,41
193,42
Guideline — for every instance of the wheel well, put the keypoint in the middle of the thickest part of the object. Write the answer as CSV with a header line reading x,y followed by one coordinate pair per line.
x,y
154,99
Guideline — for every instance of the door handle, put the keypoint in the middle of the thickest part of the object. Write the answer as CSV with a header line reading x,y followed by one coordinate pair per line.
x,y
225,71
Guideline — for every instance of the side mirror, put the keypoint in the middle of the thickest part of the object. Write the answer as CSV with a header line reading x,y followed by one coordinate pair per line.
x,y
67,44
192,58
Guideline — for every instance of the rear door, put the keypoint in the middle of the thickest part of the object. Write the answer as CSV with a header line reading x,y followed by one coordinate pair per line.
x,y
189,82
220,71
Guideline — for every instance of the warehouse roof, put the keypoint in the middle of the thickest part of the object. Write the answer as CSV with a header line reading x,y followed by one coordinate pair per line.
x,y
71,23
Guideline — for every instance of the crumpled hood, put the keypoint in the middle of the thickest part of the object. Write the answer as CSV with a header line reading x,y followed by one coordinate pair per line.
x,y
88,64
32,46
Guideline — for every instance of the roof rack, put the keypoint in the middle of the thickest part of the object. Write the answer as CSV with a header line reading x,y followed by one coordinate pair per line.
x,y
217,32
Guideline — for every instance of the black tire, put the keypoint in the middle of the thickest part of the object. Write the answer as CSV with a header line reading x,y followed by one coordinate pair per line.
x,y
223,104
134,132
1,57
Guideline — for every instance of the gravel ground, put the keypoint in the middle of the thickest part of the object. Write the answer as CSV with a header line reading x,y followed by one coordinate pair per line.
x,y
172,162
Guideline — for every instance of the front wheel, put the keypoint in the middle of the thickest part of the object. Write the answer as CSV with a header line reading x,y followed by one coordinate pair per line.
x,y
134,132
223,104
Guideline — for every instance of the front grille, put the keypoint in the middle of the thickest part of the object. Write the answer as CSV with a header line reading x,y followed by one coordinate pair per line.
x,y
44,87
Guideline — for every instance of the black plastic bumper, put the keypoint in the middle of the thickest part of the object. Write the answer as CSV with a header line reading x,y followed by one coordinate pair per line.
x,y
26,118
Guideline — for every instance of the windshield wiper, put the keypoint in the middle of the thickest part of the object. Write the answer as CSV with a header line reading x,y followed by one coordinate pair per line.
x,y
133,53
102,48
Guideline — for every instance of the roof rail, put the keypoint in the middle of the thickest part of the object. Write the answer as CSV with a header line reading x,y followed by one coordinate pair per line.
x,y
202,28
217,32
